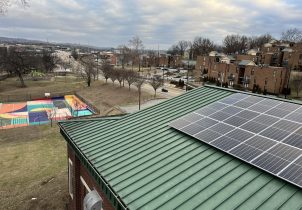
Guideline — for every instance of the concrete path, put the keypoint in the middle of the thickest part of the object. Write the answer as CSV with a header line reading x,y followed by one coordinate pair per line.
x,y
134,108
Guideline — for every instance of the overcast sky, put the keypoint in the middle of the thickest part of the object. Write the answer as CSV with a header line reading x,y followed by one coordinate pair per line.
x,y
109,23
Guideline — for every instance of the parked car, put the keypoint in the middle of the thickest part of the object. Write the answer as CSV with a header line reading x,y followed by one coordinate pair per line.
x,y
164,89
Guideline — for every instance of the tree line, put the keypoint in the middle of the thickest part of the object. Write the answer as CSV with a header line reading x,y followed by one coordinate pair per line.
x,y
19,61
231,44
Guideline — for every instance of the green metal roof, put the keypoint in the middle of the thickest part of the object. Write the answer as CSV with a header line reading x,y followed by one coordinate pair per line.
x,y
146,164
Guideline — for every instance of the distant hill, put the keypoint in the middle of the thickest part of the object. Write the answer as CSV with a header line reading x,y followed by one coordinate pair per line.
x,y
8,40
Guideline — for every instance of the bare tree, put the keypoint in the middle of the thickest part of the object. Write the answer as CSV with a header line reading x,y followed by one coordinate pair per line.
x,y
139,81
125,54
136,45
75,54
106,70
235,43
202,46
113,75
52,115
151,58
174,50
130,77
19,62
120,75
49,61
297,83
156,82
183,45
259,41
4,4
88,69
292,35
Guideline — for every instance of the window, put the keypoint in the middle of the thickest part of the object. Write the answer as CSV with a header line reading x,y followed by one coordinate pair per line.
x,y
70,178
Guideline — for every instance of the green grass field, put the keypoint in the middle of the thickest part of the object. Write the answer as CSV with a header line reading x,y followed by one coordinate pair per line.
x,y
34,165
33,159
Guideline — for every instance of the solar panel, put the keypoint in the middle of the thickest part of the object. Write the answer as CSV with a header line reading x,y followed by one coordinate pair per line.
x,y
264,132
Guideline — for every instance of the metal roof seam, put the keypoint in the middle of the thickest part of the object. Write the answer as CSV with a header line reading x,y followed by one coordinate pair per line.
x,y
147,154
171,168
136,145
264,201
201,178
155,187
117,143
235,192
124,128
239,175
100,176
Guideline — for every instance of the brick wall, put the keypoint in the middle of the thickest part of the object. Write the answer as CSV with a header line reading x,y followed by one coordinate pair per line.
x,y
79,189
273,79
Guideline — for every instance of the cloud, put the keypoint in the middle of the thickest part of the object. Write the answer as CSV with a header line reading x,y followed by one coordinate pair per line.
x,y
163,22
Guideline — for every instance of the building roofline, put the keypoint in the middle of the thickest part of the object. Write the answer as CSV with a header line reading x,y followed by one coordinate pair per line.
x,y
78,150
96,118
255,94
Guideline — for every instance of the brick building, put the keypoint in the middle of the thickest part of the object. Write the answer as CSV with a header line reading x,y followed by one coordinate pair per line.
x,y
268,67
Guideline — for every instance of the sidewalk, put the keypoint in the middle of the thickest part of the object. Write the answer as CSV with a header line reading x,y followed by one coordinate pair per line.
x,y
134,108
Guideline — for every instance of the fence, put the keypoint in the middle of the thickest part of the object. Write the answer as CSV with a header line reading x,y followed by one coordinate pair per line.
x,y
91,106
32,96
38,120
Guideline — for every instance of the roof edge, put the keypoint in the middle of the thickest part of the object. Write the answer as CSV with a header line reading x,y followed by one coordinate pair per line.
x,y
255,94
74,145
113,117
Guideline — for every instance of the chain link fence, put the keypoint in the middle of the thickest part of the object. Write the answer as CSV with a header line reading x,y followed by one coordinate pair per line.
x,y
31,96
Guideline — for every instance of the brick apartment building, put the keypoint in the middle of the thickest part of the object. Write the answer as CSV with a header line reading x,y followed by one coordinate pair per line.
x,y
245,73
268,68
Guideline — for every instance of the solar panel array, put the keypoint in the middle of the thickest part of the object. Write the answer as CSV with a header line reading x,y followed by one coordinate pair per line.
x,y
264,132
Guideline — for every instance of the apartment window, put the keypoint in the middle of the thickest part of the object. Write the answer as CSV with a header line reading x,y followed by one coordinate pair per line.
x,y
70,178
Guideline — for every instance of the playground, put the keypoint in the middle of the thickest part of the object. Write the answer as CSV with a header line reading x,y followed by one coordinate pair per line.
x,y
41,111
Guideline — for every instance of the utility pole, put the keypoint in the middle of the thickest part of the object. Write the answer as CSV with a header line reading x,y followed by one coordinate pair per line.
x,y
187,76
157,54
97,66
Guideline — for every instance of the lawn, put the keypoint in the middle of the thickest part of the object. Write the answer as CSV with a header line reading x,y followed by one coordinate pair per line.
x,y
102,95
33,159
34,168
